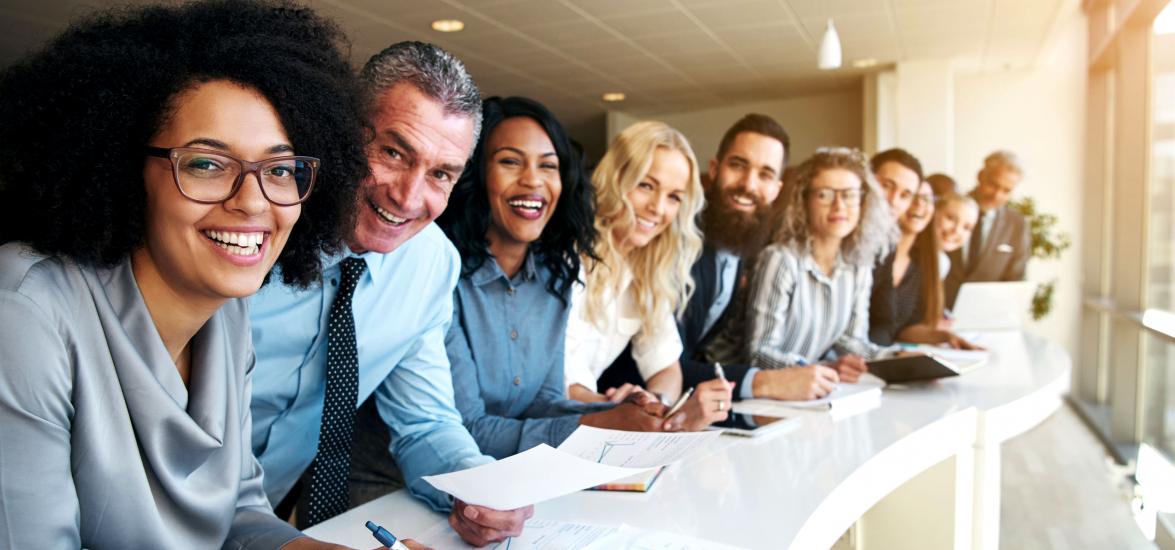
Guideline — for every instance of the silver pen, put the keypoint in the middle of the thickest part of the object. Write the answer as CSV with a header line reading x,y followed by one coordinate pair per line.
x,y
680,403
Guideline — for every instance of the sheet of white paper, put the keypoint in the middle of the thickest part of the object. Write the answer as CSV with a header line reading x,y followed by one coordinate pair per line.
x,y
632,538
442,537
537,535
633,449
538,474
845,393
961,358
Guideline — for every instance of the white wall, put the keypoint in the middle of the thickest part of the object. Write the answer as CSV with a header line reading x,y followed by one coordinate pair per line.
x,y
1040,114
811,121
925,111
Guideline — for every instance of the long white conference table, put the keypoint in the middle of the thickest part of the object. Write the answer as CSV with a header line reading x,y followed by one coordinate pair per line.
x,y
921,471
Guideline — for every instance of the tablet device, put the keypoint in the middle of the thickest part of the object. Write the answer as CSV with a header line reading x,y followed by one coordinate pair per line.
x,y
915,368
754,426
992,306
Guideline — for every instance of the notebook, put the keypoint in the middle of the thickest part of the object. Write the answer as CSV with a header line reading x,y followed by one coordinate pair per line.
x,y
638,483
921,367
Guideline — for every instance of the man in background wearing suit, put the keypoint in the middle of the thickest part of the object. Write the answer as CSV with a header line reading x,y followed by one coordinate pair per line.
x,y
742,182
1000,245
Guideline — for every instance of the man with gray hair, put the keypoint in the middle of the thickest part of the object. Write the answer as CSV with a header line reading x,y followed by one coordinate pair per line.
x,y
1000,245
375,327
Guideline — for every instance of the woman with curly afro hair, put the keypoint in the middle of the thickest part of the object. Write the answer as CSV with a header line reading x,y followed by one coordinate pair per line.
x,y
155,164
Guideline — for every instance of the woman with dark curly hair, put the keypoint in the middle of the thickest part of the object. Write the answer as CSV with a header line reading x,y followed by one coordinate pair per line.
x,y
154,165
520,215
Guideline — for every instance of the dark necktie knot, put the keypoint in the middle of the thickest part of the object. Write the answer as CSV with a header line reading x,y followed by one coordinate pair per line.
x,y
351,269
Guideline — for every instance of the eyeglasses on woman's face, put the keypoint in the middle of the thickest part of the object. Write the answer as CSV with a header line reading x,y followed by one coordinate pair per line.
x,y
209,177
850,196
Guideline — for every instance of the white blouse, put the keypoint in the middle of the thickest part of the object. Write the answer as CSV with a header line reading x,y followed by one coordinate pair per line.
x,y
590,349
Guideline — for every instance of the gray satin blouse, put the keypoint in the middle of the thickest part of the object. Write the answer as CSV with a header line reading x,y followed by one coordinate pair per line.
x,y
101,444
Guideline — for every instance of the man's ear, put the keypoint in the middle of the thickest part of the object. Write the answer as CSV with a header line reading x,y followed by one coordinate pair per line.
x,y
713,171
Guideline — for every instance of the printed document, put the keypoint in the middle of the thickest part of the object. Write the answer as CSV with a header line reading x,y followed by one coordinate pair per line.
x,y
633,449
538,474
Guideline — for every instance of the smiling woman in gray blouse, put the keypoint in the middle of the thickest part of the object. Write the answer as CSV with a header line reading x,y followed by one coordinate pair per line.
x,y
151,179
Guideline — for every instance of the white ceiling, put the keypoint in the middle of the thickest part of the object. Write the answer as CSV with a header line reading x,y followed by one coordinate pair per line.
x,y
666,55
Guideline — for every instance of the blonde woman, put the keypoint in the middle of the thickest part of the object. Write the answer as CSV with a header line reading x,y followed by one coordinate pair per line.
x,y
637,276
808,301
955,218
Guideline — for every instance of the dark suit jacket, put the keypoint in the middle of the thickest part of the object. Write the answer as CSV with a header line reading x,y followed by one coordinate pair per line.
x,y
1004,256
705,274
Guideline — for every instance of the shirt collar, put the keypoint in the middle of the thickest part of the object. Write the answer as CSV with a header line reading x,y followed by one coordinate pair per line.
x,y
490,270
725,256
376,262
814,269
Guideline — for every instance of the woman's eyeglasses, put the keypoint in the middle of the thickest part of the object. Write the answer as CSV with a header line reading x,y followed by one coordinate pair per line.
x,y
211,177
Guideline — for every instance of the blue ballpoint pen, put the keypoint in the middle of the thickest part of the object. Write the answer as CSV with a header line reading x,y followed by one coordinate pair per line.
x,y
384,537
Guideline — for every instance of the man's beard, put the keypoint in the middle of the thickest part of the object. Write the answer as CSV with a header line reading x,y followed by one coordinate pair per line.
x,y
743,234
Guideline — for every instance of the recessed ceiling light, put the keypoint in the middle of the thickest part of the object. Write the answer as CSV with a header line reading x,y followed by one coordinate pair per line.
x,y
864,63
614,96
447,25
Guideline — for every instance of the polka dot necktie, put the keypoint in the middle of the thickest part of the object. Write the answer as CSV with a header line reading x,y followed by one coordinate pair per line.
x,y
328,495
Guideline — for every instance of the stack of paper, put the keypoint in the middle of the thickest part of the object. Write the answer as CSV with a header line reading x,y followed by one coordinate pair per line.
x,y
845,400
558,535
590,457
637,483
960,359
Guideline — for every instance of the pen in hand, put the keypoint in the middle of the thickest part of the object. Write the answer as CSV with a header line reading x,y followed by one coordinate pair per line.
x,y
384,537
677,405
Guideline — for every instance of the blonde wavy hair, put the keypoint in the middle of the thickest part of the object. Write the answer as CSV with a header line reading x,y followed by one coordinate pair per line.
x,y
661,269
876,229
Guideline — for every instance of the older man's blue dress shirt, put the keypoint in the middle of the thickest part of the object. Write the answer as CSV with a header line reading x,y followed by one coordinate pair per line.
x,y
402,305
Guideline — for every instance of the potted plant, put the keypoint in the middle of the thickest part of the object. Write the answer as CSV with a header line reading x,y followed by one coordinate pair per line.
x,y
1047,244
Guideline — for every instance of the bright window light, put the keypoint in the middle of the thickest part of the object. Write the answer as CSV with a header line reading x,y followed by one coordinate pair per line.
x,y
1165,22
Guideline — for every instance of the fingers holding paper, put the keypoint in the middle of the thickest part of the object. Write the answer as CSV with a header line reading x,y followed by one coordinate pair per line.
x,y
479,526
710,403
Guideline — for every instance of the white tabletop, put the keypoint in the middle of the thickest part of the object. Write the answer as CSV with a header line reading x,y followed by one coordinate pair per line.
x,y
804,487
